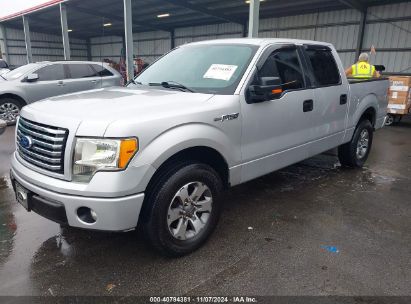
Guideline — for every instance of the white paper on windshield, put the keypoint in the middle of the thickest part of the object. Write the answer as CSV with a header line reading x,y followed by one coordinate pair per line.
x,y
220,71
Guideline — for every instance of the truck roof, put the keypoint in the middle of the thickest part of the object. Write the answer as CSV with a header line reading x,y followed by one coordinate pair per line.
x,y
260,41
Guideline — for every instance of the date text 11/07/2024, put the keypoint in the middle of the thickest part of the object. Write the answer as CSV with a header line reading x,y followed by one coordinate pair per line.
x,y
239,299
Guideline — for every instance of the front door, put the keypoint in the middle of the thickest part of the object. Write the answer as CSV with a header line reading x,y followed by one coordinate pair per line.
x,y
50,83
276,133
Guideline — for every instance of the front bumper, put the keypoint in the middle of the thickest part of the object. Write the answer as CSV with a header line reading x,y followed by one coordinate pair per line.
x,y
113,214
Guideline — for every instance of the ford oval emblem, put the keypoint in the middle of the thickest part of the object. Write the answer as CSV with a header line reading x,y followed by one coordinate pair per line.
x,y
26,142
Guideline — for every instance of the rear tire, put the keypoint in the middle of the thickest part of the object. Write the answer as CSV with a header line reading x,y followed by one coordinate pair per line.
x,y
183,208
390,120
355,153
10,109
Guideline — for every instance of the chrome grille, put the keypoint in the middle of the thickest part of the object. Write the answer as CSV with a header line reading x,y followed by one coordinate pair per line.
x,y
47,145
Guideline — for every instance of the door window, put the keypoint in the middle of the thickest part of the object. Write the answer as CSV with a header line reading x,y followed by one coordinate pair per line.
x,y
81,71
51,72
285,64
324,67
101,71
3,64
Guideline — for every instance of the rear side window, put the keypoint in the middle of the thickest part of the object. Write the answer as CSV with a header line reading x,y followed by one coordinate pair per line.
x,y
325,68
3,64
81,71
285,64
101,71
51,72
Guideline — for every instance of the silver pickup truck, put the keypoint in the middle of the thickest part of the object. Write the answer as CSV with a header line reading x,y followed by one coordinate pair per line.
x,y
204,117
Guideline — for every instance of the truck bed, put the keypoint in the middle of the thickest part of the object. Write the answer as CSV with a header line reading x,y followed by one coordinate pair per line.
x,y
366,92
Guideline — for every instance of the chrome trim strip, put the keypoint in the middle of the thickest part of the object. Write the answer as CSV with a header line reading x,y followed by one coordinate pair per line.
x,y
42,143
38,156
48,152
40,128
40,164
42,136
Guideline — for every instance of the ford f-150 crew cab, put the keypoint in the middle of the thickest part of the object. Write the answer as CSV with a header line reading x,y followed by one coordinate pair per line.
x,y
204,117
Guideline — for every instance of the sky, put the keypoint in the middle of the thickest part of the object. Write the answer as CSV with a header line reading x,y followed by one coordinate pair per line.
x,y
8,7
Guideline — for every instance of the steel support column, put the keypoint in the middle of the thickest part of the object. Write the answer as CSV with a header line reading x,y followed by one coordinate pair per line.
x,y
360,39
64,31
27,39
89,56
128,34
244,30
4,47
173,38
254,18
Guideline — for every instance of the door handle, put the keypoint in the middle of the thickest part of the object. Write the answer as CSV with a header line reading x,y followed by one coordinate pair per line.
x,y
343,99
60,84
308,105
94,81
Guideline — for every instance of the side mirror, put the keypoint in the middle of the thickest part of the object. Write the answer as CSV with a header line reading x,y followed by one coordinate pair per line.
x,y
3,126
269,88
32,77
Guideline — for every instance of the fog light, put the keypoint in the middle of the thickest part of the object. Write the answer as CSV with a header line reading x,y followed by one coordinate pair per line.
x,y
87,215
93,214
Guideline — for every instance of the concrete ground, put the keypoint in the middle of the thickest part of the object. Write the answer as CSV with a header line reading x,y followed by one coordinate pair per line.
x,y
310,229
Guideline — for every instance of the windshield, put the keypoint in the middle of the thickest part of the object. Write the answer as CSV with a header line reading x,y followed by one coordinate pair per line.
x,y
212,69
17,73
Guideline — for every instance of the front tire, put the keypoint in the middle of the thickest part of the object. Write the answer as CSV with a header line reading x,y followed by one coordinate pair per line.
x,y
9,110
183,209
355,153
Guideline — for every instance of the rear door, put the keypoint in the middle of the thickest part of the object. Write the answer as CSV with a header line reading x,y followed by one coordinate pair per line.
x,y
50,83
330,92
108,78
82,77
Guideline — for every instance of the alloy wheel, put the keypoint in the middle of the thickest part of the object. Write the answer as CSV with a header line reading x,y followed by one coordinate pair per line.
x,y
189,211
363,144
9,112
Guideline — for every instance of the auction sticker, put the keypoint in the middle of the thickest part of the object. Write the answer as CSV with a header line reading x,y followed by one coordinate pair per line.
x,y
220,71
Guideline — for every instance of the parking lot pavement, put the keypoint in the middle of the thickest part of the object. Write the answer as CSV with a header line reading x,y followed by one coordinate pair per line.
x,y
310,229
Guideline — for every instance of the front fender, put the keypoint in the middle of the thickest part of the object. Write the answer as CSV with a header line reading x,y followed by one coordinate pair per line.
x,y
187,136
13,93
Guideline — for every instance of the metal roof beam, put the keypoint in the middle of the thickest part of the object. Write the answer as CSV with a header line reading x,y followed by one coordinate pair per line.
x,y
97,13
355,4
205,11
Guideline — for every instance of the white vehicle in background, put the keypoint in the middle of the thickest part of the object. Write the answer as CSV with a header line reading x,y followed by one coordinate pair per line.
x,y
36,81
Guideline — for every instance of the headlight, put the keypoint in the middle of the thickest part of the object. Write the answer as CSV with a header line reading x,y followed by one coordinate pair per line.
x,y
92,155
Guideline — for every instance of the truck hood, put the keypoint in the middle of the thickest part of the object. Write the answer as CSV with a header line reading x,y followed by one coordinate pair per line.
x,y
93,111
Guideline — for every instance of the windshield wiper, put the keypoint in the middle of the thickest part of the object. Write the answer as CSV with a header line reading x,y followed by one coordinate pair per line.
x,y
171,85
3,77
132,81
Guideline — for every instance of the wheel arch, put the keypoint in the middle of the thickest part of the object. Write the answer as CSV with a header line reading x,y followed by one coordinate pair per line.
x,y
13,96
370,114
201,154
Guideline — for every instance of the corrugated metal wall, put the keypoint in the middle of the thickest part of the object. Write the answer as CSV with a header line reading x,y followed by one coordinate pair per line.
x,y
338,27
106,47
388,29
148,45
392,40
200,33
44,47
